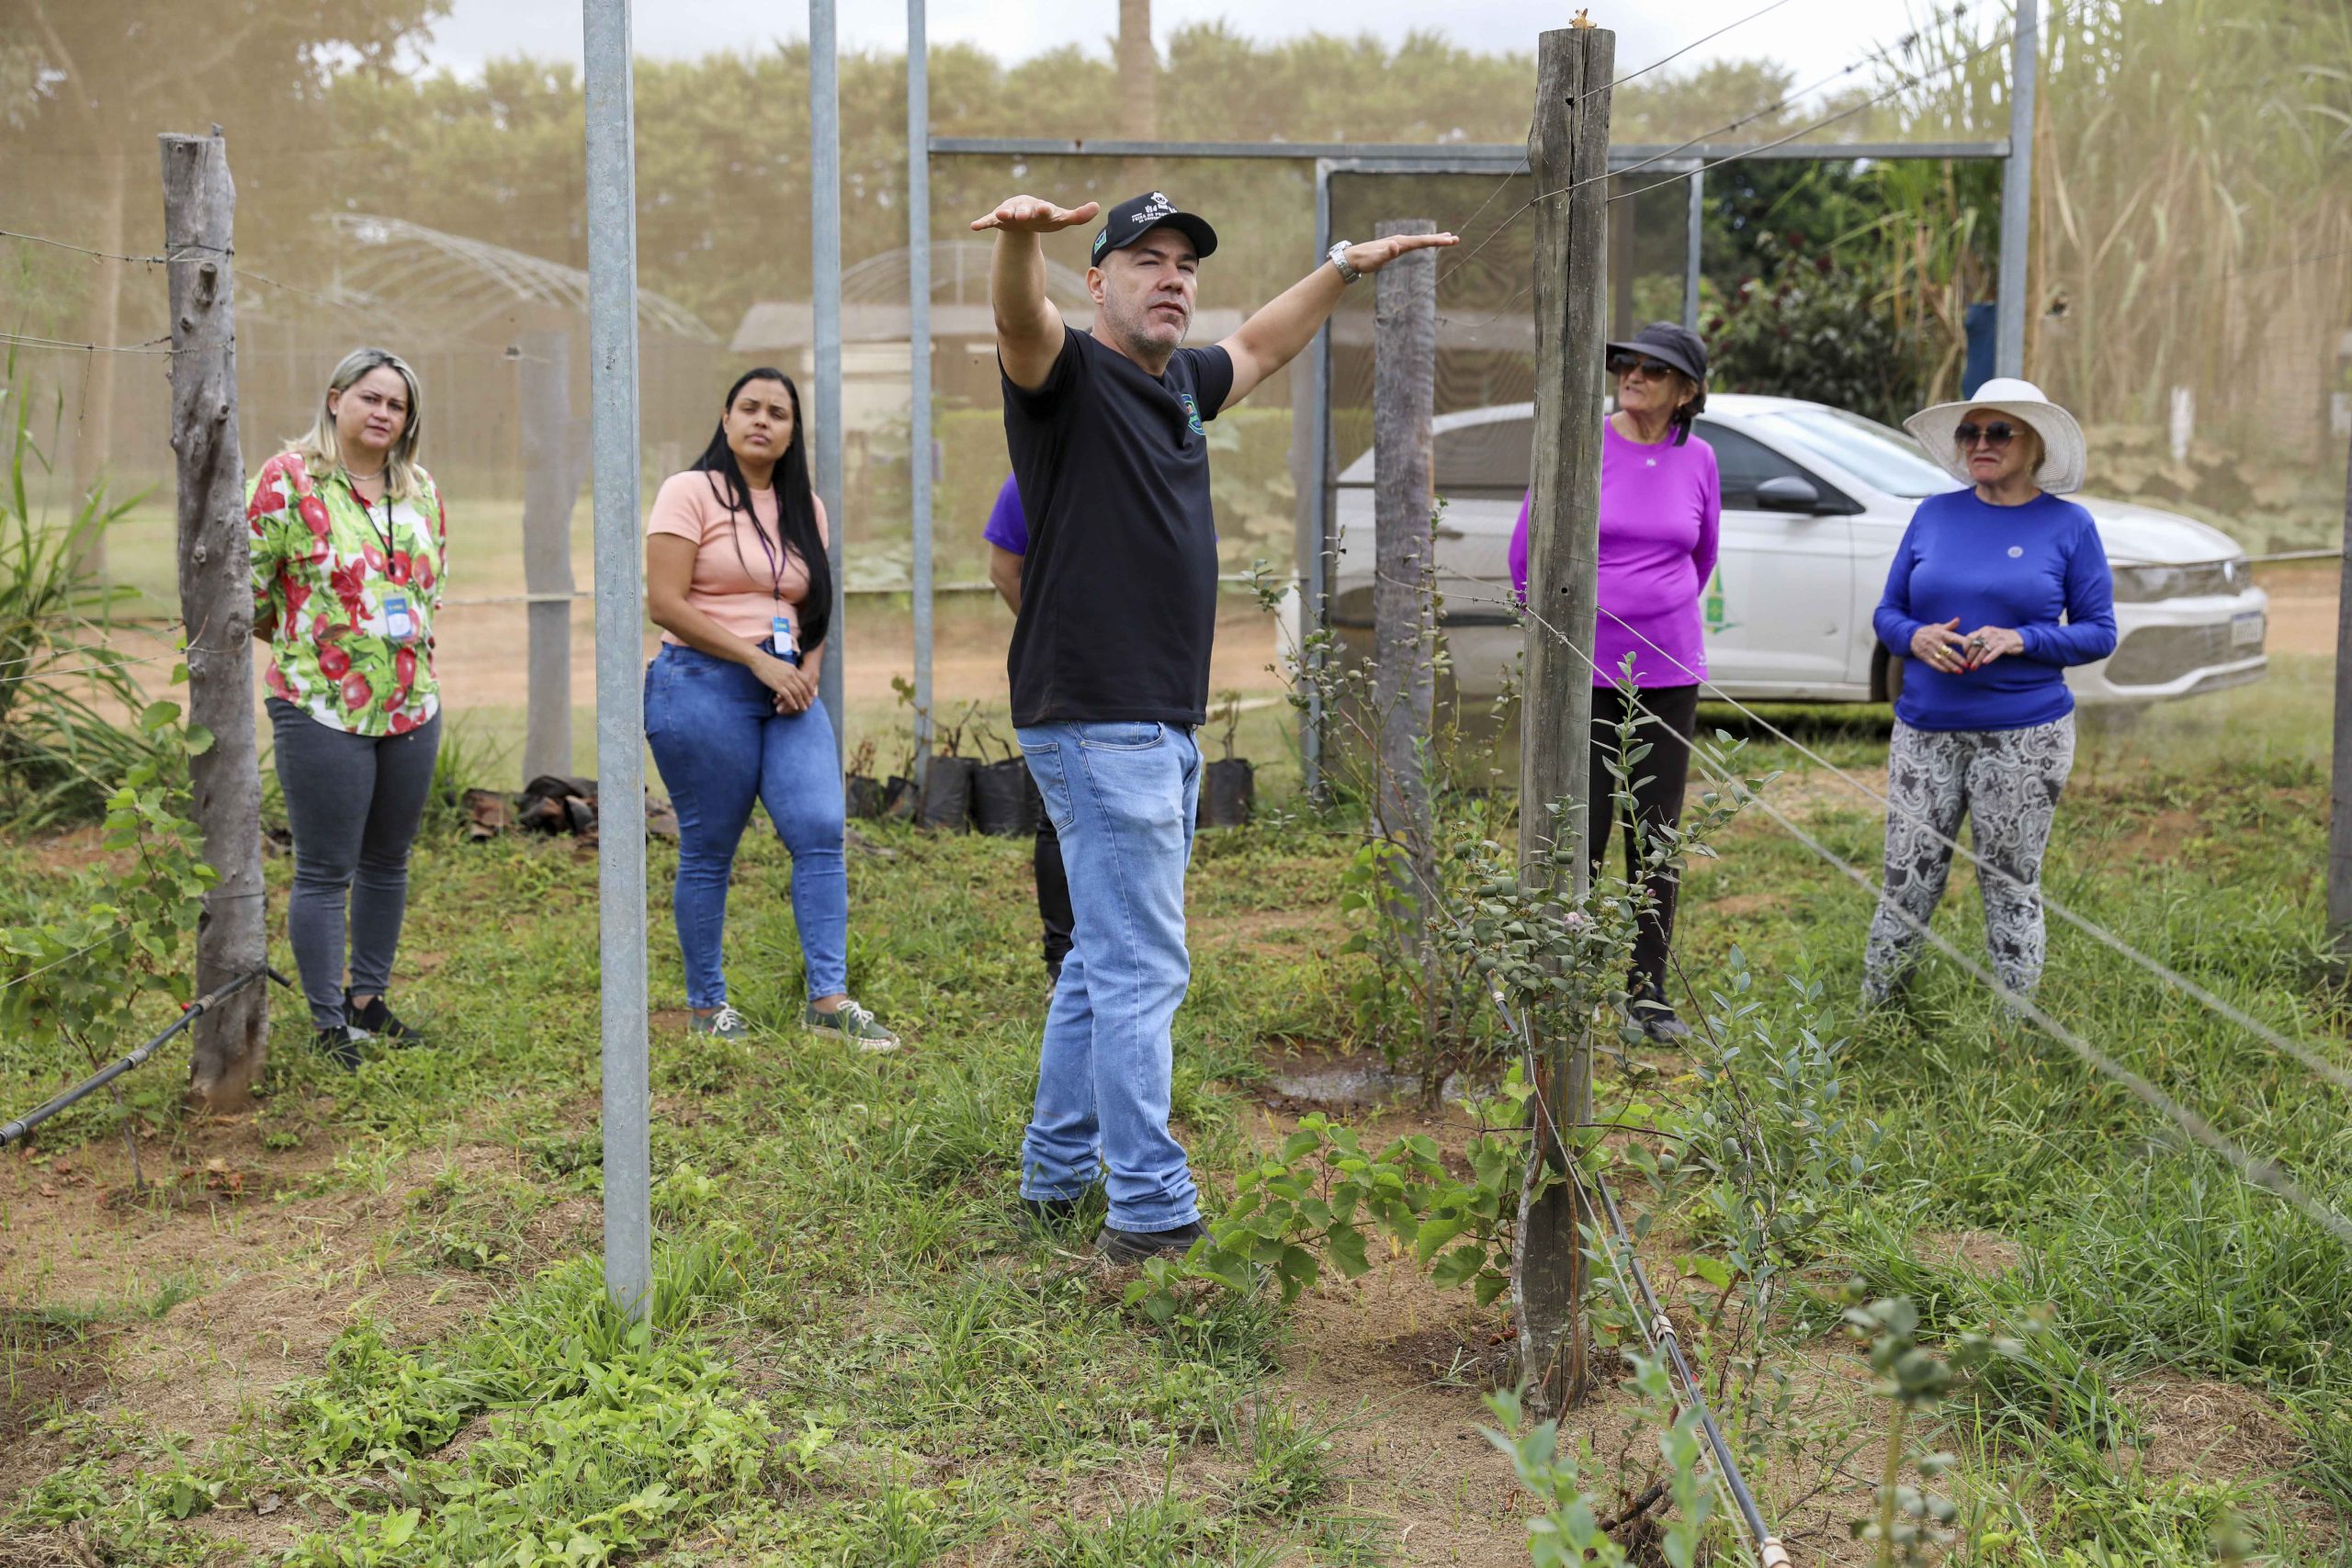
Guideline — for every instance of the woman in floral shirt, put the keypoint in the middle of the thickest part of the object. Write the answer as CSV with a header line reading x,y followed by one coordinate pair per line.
x,y
348,542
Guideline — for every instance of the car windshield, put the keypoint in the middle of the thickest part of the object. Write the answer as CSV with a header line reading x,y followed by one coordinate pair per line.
x,y
1886,460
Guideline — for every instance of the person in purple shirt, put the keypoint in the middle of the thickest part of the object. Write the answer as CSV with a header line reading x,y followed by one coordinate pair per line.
x,y
1008,537
1993,592
1661,512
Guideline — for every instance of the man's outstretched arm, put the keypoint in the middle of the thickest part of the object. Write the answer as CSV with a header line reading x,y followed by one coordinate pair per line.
x,y
1274,337
1028,328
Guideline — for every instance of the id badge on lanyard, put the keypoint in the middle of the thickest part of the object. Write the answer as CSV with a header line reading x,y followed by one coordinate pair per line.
x,y
399,619
781,641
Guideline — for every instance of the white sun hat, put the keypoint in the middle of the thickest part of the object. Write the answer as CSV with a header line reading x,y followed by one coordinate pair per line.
x,y
2063,448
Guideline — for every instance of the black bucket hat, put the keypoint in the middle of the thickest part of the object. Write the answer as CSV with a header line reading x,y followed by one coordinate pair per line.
x,y
1670,344
1139,215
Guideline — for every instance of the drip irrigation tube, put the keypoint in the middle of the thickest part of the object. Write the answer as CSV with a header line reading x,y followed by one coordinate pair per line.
x,y
23,1125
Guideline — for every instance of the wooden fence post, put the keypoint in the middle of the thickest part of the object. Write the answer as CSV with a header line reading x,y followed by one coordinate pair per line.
x,y
1568,152
231,1041
2339,825
551,486
1404,621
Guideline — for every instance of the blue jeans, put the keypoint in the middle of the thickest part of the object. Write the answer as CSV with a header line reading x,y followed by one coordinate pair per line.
x,y
1121,798
720,745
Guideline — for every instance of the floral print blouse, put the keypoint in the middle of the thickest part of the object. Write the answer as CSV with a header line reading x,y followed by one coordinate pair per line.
x,y
326,565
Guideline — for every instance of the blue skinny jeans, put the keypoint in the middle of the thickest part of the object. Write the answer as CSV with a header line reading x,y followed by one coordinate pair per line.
x,y
720,746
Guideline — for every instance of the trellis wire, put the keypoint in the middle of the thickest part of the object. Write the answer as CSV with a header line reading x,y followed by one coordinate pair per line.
x,y
2264,1173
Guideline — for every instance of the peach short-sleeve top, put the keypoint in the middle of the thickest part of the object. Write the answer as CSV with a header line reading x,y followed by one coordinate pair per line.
x,y
739,579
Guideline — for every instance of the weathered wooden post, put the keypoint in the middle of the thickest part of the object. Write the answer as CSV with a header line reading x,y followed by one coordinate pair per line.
x,y
231,1041
1568,149
1404,632
2339,824
551,486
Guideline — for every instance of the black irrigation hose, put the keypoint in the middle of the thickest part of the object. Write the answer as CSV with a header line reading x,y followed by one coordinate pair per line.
x,y
23,1125
1767,1545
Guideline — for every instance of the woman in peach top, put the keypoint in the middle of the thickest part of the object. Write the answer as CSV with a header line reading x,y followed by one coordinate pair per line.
x,y
738,580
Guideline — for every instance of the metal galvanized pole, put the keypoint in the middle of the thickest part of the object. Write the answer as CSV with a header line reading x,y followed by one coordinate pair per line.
x,y
919,438
621,701
550,488
825,255
2339,827
1694,239
1315,518
1569,148
2017,192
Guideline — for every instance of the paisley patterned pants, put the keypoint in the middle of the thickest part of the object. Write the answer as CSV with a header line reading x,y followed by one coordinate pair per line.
x,y
2008,782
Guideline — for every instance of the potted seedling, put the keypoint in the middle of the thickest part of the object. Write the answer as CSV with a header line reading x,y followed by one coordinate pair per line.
x,y
860,790
947,780
898,795
1230,789
1002,789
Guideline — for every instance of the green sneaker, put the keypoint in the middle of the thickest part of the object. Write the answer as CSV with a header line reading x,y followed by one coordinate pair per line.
x,y
853,1023
725,1023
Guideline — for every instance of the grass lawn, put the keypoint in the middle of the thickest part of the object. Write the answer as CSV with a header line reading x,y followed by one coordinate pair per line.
x,y
363,1325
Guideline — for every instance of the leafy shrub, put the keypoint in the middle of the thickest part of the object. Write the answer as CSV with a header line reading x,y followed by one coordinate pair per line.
x,y
60,752
1810,325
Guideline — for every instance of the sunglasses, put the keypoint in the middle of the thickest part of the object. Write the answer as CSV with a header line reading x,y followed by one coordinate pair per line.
x,y
1996,434
1626,363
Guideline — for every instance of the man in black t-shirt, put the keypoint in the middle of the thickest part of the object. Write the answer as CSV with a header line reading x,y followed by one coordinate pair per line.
x,y
1110,661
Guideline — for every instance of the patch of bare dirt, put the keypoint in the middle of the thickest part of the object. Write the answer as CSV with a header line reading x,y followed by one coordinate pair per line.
x,y
1264,928
2199,1426
1987,1253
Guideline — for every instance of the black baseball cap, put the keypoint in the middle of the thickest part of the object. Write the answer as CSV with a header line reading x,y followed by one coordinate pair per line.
x,y
1139,215
1670,344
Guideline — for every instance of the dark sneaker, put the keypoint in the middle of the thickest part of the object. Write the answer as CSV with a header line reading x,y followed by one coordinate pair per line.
x,y
853,1023
339,1045
722,1022
1134,1246
1047,1216
377,1021
1655,1016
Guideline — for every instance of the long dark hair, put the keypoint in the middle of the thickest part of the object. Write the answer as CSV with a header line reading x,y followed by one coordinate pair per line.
x,y
796,506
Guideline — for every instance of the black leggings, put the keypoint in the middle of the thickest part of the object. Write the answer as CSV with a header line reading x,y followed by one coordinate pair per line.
x,y
1052,894
1658,782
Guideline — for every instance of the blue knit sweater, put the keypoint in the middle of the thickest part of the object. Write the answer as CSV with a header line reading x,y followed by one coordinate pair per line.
x,y
2037,568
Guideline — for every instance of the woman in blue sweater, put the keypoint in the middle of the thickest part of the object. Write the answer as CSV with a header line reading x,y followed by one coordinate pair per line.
x,y
1995,591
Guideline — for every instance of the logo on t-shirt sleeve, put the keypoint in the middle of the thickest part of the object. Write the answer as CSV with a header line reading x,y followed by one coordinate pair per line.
x,y
1192,413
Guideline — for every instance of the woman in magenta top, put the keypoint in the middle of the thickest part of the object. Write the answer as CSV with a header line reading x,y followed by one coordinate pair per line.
x,y
1662,511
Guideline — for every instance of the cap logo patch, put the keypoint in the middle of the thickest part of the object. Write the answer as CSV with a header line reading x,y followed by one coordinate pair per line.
x,y
1157,207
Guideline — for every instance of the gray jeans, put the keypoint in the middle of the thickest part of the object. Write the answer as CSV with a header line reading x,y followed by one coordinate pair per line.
x,y
2006,781
353,802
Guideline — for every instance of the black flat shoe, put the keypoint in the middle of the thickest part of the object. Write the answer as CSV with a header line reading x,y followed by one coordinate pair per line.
x,y
377,1021
1655,1016
339,1046
1136,1247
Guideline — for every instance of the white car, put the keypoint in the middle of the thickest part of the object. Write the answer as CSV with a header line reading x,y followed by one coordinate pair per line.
x,y
1816,500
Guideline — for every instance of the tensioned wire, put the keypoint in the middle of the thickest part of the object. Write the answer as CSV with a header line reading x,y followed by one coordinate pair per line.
x,y
1657,1329
2264,1173
2334,1072
1877,52
1504,183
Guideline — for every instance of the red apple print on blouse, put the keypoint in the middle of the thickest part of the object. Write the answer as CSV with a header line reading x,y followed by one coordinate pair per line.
x,y
323,570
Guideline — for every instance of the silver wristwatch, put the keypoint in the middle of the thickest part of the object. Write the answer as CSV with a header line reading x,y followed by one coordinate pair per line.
x,y
1338,255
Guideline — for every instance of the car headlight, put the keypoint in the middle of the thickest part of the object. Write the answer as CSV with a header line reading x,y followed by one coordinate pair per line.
x,y
2146,584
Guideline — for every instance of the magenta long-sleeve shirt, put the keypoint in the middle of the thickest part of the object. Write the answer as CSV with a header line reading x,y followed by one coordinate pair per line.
x,y
1661,521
